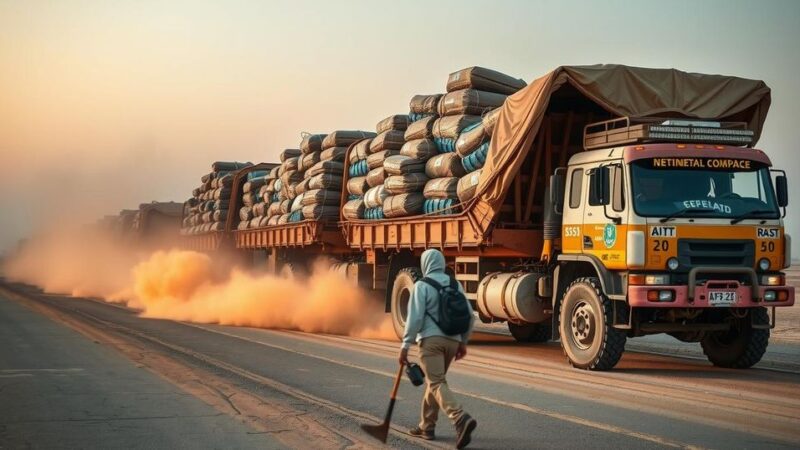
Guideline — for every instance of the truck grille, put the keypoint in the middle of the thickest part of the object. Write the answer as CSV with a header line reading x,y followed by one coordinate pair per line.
x,y
711,252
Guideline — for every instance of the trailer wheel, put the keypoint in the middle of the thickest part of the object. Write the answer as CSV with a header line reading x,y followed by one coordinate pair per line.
x,y
531,332
401,294
740,347
586,324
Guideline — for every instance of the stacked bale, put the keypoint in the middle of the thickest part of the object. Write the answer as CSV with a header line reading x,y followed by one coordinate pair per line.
x,y
207,210
469,112
321,189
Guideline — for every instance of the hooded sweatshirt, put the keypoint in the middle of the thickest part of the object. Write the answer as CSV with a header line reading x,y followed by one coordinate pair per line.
x,y
425,298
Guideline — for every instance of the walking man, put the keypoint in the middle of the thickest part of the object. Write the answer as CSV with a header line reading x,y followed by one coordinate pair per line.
x,y
438,304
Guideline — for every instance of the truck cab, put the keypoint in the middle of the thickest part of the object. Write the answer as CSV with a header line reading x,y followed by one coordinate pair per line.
x,y
669,227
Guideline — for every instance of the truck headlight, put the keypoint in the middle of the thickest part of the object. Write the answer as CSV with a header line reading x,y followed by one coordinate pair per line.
x,y
673,263
763,264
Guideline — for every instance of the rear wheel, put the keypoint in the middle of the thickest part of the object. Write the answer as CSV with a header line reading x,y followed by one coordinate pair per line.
x,y
741,346
401,295
586,324
531,332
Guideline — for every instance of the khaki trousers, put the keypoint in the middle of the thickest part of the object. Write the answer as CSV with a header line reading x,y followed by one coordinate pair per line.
x,y
436,354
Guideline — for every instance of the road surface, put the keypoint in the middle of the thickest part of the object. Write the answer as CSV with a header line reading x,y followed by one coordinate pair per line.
x,y
301,390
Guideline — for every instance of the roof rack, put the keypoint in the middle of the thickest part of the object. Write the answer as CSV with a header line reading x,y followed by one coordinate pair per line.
x,y
621,131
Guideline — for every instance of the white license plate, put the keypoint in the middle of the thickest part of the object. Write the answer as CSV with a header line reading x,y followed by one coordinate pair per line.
x,y
721,298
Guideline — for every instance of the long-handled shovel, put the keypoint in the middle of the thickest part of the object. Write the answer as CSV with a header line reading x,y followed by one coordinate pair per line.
x,y
381,432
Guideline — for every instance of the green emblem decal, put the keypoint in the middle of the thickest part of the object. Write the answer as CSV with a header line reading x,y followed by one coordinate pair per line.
x,y
610,235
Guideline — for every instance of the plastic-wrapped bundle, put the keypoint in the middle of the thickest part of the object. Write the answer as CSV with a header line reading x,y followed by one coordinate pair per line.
x,y
354,197
467,186
446,130
290,164
245,213
225,181
469,101
440,206
273,220
422,106
219,214
420,149
259,209
321,197
333,154
296,216
308,160
302,186
286,206
360,151
421,129
376,176
489,120
226,166
476,159
358,169
441,188
375,213
321,212
343,138
376,159
394,122
273,173
388,140
357,185
403,205
375,197
485,80
291,177
274,209
312,143
405,184
324,181
444,165
283,219
330,167
289,153
297,203
399,165
353,209
470,139
243,225
254,185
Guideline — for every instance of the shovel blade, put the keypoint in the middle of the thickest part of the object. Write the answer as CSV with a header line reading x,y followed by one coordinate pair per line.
x,y
379,432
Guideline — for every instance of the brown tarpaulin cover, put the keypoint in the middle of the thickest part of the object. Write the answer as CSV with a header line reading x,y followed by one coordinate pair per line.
x,y
621,90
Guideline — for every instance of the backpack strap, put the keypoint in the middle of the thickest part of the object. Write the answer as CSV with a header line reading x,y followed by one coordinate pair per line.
x,y
434,284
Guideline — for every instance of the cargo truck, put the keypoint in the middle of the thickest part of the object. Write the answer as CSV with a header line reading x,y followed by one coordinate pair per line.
x,y
615,202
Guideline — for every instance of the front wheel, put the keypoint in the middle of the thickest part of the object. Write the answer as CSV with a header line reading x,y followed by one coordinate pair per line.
x,y
401,295
586,324
741,346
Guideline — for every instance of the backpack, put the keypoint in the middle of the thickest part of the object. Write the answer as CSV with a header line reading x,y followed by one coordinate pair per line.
x,y
454,313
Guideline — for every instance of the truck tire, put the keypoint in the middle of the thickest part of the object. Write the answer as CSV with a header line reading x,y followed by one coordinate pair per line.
x,y
401,294
740,347
586,322
531,332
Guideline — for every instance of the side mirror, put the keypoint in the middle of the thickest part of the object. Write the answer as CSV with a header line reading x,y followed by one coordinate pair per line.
x,y
782,190
599,187
557,186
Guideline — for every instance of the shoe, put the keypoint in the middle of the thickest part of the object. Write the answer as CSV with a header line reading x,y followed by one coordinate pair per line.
x,y
428,435
465,427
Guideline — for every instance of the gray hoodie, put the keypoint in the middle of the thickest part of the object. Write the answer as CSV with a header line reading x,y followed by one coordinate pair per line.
x,y
425,297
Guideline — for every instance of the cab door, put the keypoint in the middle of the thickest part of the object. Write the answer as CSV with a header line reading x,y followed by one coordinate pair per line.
x,y
604,229
574,200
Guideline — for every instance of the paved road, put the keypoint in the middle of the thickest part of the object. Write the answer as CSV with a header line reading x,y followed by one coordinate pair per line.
x,y
58,389
523,395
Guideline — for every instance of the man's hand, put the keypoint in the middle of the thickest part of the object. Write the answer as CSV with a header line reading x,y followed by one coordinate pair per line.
x,y
462,351
403,359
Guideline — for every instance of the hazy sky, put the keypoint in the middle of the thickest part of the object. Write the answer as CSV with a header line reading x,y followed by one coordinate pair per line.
x,y
106,104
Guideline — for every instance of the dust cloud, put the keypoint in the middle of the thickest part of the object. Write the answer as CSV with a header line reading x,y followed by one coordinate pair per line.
x,y
194,287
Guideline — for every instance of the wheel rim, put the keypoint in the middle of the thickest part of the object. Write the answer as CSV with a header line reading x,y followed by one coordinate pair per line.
x,y
583,325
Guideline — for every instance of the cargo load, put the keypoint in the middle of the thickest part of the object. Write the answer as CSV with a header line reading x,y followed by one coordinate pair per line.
x,y
208,207
483,79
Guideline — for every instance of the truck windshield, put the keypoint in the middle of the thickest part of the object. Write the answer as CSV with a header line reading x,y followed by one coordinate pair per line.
x,y
697,187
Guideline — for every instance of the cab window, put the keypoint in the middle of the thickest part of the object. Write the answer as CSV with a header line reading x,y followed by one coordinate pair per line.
x,y
575,184
617,181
